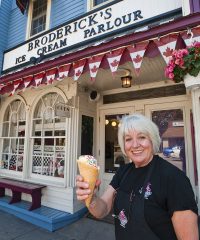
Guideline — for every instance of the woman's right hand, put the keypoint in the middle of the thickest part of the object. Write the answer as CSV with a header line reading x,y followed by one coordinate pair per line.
x,y
82,188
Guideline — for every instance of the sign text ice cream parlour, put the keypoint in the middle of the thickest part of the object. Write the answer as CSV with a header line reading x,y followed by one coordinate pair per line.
x,y
86,28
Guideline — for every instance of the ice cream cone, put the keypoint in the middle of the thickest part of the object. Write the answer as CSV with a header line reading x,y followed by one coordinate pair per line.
x,y
90,174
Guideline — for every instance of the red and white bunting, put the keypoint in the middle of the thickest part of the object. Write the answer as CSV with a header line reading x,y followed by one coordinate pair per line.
x,y
191,36
63,71
27,81
38,78
1,86
94,63
15,86
137,53
114,59
78,68
50,75
166,45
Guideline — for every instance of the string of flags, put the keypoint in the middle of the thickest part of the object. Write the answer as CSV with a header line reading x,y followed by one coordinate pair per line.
x,y
166,45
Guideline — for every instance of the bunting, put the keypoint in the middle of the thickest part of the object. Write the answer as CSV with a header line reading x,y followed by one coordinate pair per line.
x,y
137,53
22,5
15,86
63,71
51,75
166,45
114,58
38,78
27,81
94,64
78,68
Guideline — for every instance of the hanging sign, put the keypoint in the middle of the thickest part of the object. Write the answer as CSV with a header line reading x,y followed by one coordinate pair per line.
x,y
119,16
62,110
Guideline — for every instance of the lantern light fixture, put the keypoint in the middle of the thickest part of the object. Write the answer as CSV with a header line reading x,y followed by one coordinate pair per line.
x,y
126,81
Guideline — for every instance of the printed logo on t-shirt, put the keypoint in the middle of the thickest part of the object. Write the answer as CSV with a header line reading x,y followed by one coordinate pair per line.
x,y
147,192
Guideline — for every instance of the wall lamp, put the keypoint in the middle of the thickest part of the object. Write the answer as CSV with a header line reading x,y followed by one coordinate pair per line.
x,y
126,81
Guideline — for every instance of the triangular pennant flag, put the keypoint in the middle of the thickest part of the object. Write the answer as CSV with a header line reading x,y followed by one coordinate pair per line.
x,y
27,81
1,86
78,68
94,63
191,36
22,5
166,45
63,71
114,59
15,86
50,75
38,78
137,53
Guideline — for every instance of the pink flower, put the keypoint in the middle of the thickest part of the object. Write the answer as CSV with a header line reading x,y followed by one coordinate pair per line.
x,y
170,68
171,75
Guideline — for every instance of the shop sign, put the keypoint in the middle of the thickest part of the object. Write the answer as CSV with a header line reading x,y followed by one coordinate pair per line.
x,y
120,15
178,124
62,110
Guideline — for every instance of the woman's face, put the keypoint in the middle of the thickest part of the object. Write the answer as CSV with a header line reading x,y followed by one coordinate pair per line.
x,y
138,148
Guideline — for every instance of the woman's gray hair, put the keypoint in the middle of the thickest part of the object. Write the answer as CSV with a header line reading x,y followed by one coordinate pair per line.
x,y
140,124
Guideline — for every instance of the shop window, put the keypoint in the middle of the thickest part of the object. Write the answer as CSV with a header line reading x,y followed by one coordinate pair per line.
x,y
48,137
87,135
171,127
13,137
39,11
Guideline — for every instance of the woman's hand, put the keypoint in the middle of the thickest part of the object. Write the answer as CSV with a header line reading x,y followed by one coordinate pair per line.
x,y
83,190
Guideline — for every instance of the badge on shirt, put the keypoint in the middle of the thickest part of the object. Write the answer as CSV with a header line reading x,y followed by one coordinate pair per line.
x,y
122,218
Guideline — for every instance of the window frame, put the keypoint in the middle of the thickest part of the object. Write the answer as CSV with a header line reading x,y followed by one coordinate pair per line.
x,y
18,155
29,22
91,6
53,153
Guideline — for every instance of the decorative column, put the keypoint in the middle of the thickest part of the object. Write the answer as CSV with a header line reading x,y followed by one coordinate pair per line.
x,y
194,86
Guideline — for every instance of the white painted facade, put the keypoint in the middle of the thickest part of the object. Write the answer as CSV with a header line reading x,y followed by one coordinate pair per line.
x,y
60,192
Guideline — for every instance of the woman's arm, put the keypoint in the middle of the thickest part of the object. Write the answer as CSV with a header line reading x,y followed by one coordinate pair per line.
x,y
100,206
185,225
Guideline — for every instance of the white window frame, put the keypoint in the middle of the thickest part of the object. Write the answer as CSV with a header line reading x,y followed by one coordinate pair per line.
x,y
91,6
30,11
17,153
32,137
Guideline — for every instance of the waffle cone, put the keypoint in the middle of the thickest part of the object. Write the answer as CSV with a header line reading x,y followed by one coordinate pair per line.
x,y
90,175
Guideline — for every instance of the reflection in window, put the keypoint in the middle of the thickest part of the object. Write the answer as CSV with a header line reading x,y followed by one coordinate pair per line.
x,y
13,137
171,128
48,137
113,155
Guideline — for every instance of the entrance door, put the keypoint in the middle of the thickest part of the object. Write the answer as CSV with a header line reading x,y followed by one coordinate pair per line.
x,y
173,121
111,156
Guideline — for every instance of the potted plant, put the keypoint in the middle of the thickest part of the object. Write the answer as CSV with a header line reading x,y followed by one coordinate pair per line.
x,y
184,65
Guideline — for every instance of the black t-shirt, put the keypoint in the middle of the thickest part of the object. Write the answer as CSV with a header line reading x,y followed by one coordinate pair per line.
x,y
170,191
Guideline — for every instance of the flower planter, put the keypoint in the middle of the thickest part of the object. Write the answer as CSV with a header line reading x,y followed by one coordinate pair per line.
x,y
192,82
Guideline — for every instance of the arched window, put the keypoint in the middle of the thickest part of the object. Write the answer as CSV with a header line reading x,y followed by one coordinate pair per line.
x,y
48,137
13,136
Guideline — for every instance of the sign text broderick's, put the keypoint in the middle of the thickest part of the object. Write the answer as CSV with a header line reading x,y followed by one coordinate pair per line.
x,y
97,24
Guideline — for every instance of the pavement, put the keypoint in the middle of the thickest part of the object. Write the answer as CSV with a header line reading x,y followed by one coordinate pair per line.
x,y
13,228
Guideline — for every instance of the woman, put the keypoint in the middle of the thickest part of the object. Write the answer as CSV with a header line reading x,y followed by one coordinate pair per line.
x,y
151,198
